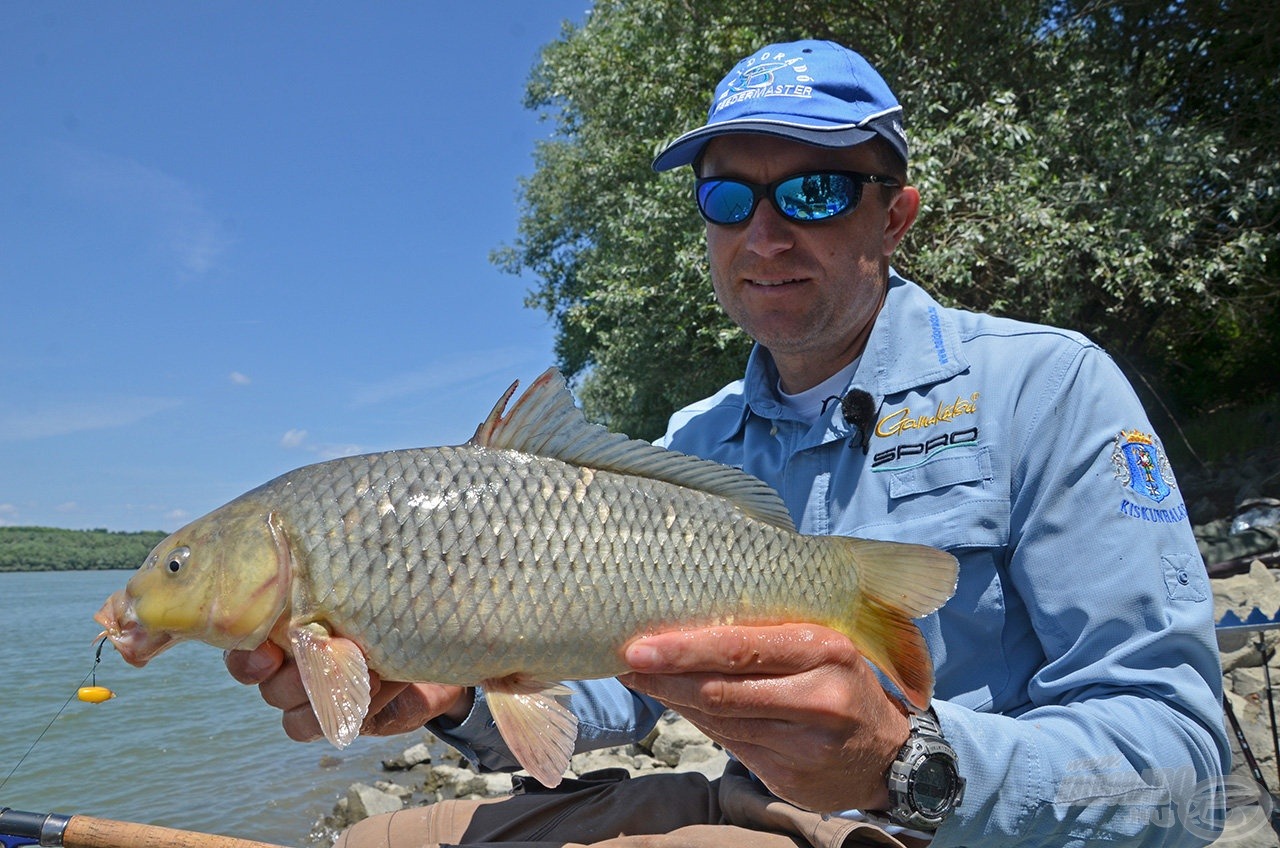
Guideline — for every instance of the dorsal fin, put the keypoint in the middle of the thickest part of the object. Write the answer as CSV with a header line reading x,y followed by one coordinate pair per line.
x,y
545,422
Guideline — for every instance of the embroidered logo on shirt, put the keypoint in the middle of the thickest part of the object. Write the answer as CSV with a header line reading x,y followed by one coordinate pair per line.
x,y
1141,465
917,453
935,335
899,420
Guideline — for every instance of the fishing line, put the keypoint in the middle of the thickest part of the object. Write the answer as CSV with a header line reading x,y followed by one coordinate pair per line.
x,y
93,673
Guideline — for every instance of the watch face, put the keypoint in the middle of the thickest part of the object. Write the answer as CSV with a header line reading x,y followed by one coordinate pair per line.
x,y
933,785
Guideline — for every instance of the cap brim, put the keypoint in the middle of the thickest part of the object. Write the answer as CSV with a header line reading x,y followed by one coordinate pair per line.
x,y
685,149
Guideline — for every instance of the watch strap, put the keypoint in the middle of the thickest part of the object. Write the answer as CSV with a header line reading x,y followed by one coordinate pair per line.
x,y
925,749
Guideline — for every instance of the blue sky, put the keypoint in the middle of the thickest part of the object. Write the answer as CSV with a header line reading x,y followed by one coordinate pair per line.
x,y
237,238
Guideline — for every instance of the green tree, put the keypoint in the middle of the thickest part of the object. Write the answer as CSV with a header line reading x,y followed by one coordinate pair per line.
x,y
1109,167
55,549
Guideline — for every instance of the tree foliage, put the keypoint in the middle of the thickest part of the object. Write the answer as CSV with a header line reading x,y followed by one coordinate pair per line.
x,y
53,549
1106,166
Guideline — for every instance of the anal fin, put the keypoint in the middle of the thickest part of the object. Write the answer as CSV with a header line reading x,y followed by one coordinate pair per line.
x,y
535,723
336,677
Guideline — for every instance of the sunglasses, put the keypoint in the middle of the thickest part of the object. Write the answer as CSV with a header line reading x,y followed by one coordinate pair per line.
x,y
811,196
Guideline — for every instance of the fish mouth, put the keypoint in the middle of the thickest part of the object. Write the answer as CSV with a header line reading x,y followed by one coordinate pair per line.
x,y
134,642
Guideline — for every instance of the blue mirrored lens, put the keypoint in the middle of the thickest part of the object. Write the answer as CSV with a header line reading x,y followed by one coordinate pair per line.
x,y
804,197
726,201
812,197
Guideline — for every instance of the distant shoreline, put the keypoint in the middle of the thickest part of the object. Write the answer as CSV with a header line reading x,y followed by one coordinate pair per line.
x,y
56,549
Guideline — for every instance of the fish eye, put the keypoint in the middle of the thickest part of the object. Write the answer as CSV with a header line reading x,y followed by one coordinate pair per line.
x,y
177,559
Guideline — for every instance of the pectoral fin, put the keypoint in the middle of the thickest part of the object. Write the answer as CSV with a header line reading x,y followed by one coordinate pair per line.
x,y
336,678
536,724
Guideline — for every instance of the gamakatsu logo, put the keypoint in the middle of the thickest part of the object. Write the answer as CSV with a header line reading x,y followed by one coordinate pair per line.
x,y
902,419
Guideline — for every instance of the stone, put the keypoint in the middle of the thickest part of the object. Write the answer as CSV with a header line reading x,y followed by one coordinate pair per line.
x,y
410,757
673,737
707,759
364,800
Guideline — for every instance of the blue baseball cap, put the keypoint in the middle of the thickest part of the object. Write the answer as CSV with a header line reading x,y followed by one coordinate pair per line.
x,y
817,92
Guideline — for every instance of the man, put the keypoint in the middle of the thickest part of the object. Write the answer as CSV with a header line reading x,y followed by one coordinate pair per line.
x,y
1077,679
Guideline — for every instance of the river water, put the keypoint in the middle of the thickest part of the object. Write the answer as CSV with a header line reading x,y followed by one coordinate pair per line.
x,y
182,745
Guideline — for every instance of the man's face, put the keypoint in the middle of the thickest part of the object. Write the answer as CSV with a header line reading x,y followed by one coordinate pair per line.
x,y
807,292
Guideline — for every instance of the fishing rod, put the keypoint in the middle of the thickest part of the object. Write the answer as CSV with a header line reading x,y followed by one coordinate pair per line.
x,y
1270,804
58,831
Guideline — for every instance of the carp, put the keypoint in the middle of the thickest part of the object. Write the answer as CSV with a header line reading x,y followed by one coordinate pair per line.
x,y
530,555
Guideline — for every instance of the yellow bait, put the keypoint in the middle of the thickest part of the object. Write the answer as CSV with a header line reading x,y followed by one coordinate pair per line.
x,y
95,694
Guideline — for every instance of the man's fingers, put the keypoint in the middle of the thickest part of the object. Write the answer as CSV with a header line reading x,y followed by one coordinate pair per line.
x,y
301,725
383,692
394,707
726,671
253,667
816,693
779,649
284,690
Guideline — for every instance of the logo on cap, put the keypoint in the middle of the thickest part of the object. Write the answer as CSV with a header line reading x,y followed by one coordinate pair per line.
x,y
758,79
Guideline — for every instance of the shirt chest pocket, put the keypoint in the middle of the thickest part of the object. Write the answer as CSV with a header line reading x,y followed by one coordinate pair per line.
x,y
952,501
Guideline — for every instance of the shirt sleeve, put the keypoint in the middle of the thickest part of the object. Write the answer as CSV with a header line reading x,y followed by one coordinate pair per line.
x,y
608,714
1122,741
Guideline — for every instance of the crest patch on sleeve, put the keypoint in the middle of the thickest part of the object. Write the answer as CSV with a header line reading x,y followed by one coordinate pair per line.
x,y
1142,466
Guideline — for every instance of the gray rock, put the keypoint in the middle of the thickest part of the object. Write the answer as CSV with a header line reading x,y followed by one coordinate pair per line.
x,y
392,788
629,757
706,759
674,735
364,801
446,782
493,784
410,757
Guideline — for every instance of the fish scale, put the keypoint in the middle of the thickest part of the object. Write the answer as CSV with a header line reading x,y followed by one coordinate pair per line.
x,y
530,555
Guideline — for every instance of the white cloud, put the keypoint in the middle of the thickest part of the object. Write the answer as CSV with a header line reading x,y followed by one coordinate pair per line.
x,y
172,212
239,379
446,374
40,421
336,451
8,514
297,440
67,506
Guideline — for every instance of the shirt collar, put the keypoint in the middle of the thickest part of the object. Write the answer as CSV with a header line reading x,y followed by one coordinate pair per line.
x,y
918,347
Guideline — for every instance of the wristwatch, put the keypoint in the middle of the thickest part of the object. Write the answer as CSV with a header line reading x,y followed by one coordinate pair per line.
x,y
924,783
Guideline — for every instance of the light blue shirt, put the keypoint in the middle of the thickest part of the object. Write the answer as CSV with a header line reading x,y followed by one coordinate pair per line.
x,y
1077,674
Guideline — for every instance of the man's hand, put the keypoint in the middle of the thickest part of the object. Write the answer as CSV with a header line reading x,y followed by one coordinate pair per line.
x,y
395,707
797,704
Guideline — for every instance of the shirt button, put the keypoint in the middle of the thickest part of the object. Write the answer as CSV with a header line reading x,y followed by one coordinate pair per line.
x,y
1184,578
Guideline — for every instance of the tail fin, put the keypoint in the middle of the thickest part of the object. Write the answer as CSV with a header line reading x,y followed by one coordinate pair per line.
x,y
896,583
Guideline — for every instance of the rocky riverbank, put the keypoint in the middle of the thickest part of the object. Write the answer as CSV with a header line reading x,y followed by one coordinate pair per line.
x,y
430,771
1250,669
